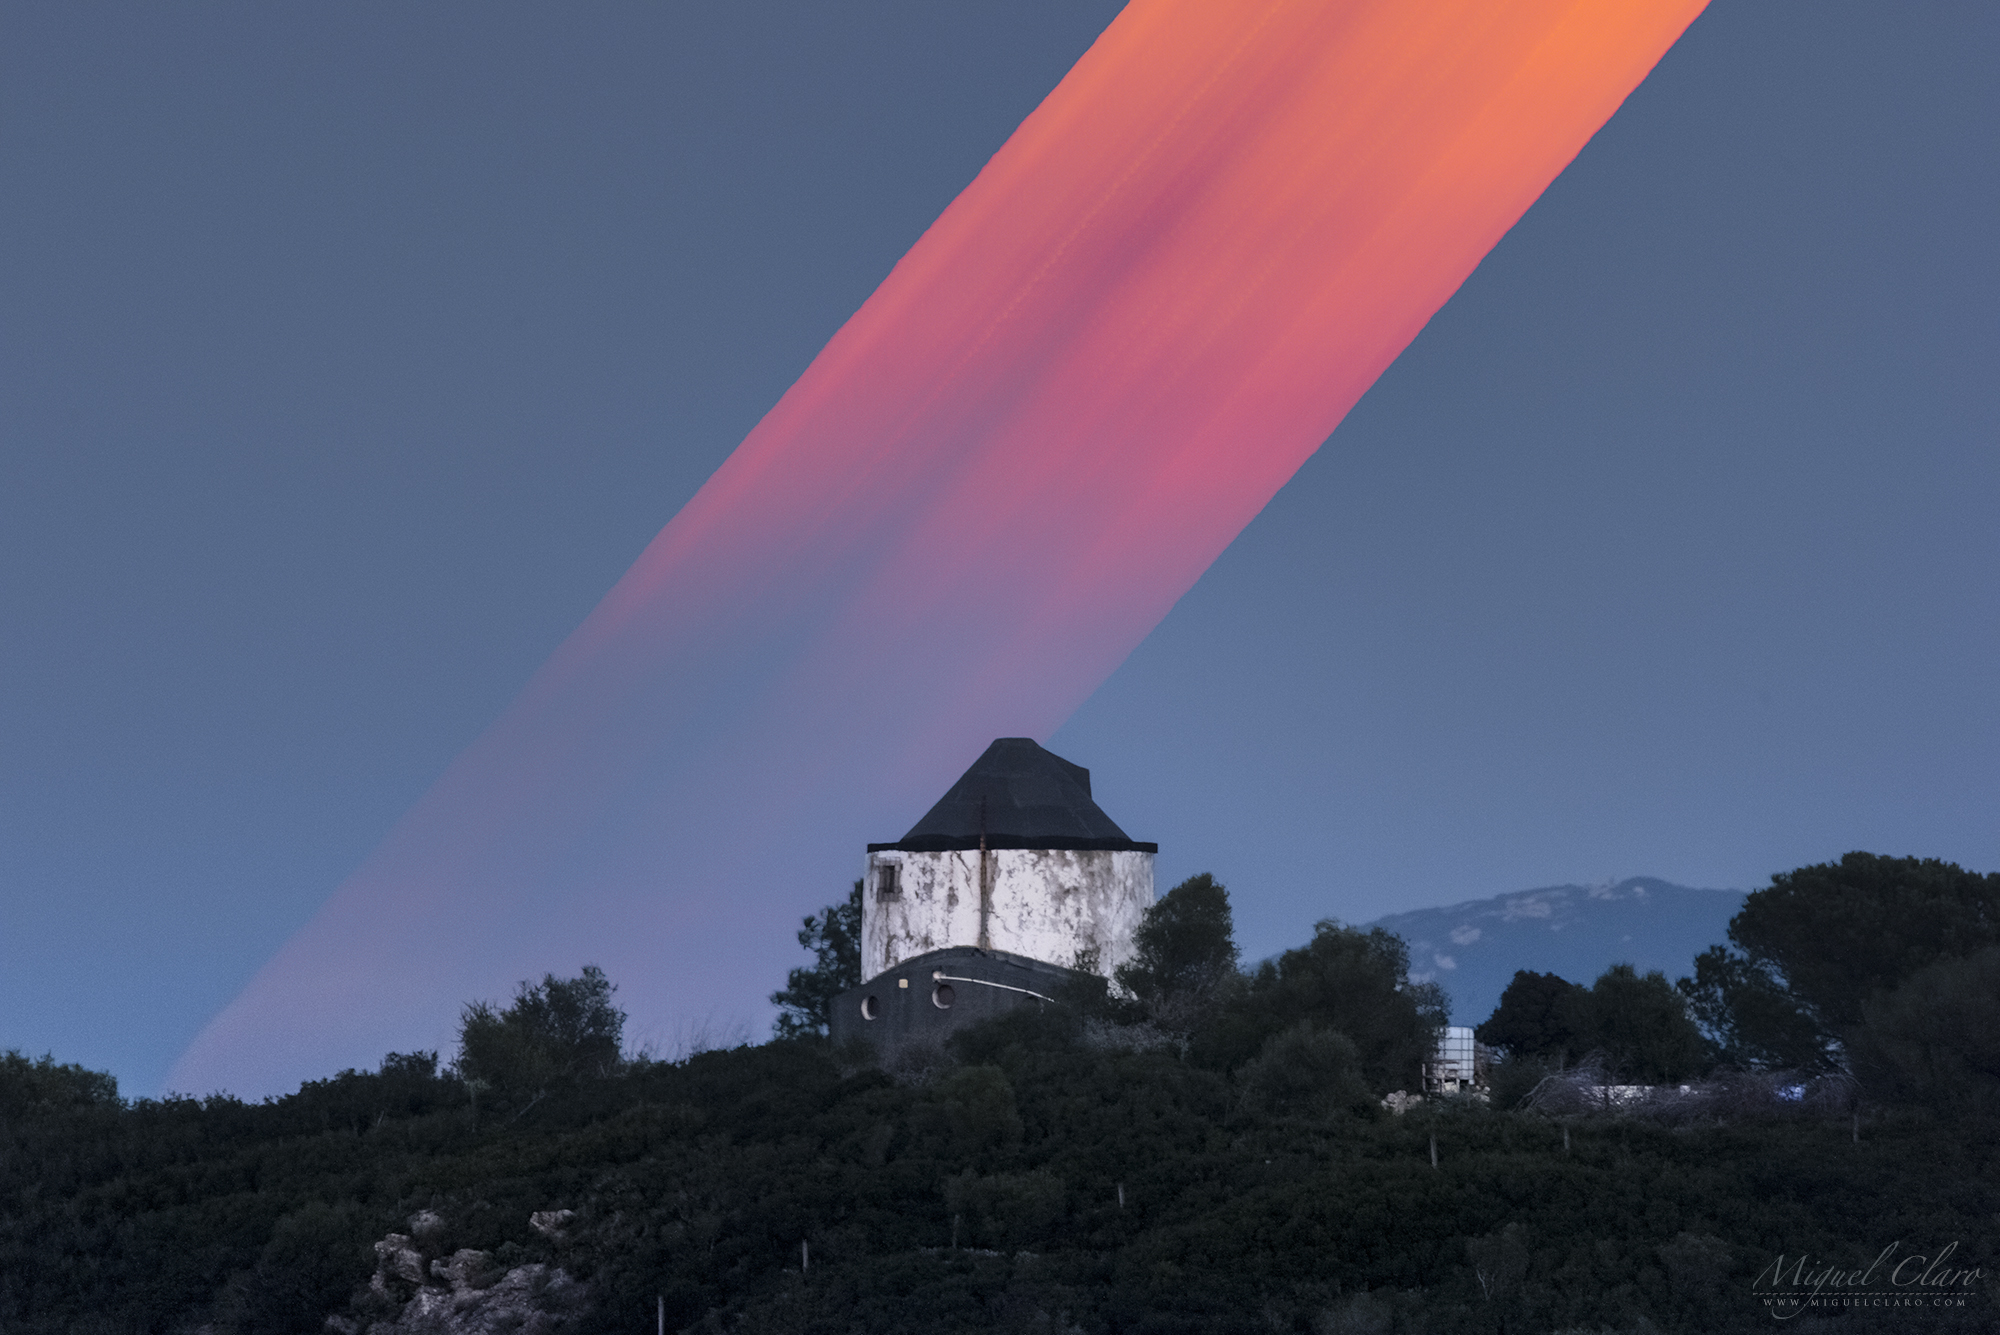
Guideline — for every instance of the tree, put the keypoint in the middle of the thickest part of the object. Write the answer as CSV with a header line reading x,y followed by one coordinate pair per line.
x,y
1352,982
557,1031
833,936
1535,1018
1936,1038
1640,1024
1183,952
1749,1017
1812,949
1839,933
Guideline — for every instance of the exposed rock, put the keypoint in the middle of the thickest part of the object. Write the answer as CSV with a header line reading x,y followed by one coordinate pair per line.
x,y
531,1299
551,1223
396,1255
466,1293
468,1269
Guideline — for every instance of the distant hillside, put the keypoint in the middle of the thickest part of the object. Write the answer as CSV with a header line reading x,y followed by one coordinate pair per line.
x,y
1473,948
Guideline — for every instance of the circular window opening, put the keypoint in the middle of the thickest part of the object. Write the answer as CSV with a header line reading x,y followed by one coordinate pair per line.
x,y
943,996
870,1008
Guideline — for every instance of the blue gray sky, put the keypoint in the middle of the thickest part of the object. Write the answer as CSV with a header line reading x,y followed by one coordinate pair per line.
x,y
347,357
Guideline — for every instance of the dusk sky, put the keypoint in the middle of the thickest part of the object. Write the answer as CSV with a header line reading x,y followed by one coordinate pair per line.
x,y
351,356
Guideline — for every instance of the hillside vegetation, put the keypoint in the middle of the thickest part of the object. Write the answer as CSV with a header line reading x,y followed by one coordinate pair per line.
x,y
1210,1154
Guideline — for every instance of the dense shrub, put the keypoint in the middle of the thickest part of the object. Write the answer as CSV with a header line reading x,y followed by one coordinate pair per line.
x,y
556,1032
1070,1168
1091,1188
34,1086
1936,1038
1536,1018
1345,980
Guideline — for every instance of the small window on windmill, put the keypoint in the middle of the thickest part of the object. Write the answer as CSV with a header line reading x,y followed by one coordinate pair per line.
x,y
887,881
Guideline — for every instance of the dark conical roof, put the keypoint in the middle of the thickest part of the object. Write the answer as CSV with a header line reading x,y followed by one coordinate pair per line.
x,y
1018,796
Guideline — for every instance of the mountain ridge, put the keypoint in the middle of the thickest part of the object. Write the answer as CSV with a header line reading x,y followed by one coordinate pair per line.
x,y
1472,948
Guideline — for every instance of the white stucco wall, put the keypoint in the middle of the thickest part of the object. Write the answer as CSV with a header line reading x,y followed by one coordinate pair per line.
x,y
1047,904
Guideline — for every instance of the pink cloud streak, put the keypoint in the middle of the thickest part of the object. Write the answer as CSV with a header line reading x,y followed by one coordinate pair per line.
x,y
1154,303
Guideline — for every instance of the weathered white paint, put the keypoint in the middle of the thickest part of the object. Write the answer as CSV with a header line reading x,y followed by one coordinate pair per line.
x,y
1056,905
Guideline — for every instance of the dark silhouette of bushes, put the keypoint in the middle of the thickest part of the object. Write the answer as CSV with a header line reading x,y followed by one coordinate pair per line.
x,y
556,1032
1044,1175
1636,1026
1935,1039
1345,980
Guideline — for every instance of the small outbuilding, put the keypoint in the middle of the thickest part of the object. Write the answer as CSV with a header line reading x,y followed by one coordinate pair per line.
x,y
923,1000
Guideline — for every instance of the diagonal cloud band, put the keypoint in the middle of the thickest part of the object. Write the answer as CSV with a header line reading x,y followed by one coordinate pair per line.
x,y
1105,357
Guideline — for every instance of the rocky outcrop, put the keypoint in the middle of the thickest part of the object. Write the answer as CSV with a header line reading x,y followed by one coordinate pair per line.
x,y
417,1290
